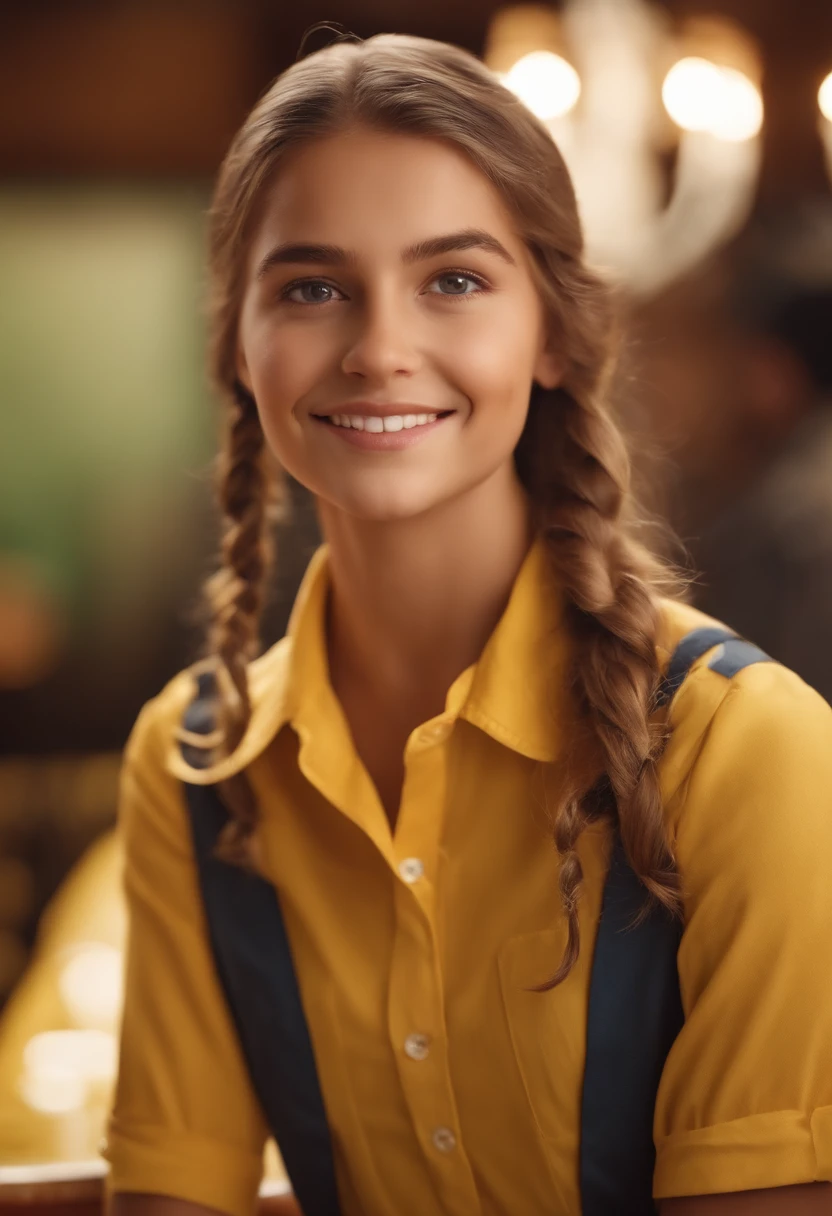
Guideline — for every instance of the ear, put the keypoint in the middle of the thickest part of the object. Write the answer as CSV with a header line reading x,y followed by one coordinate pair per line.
x,y
549,368
242,369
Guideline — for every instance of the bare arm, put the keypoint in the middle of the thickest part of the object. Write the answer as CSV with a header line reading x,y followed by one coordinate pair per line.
x,y
813,1199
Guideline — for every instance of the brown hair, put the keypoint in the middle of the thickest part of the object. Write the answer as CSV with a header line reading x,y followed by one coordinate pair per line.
x,y
571,457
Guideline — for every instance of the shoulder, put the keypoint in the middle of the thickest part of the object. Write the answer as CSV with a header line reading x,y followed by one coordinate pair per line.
x,y
761,691
763,719
676,620
152,807
747,779
153,741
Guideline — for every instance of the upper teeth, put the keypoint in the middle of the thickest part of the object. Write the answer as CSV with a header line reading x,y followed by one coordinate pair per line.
x,y
369,422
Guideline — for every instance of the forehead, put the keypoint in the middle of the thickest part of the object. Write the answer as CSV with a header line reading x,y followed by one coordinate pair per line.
x,y
375,193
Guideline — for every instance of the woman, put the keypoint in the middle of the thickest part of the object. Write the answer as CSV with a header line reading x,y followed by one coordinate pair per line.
x,y
402,320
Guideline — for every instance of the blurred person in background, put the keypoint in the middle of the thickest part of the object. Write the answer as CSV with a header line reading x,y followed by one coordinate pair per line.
x,y
738,361
477,668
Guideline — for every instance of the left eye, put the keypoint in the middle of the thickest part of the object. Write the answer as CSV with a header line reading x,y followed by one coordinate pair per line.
x,y
454,283
313,291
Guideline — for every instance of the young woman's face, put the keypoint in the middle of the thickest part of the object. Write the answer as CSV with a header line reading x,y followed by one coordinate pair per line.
x,y
390,329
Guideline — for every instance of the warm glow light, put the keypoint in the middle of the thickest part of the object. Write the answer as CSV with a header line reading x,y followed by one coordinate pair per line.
x,y
544,82
740,115
825,98
700,96
689,93
62,1067
90,986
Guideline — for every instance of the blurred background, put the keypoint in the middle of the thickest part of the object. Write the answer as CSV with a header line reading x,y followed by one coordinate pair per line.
x,y
699,134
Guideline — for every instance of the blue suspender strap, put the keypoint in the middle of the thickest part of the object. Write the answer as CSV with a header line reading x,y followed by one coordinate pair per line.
x,y
635,1008
256,971
635,1013
685,655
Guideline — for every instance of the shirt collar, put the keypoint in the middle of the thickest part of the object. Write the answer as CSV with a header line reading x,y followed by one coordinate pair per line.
x,y
515,692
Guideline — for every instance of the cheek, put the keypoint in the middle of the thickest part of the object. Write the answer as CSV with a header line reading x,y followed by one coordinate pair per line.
x,y
493,364
285,362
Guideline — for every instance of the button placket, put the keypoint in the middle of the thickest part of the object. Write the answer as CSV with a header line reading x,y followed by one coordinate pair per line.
x,y
416,1023
419,827
416,1015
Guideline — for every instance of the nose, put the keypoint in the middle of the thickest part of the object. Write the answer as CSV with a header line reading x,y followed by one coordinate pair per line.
x,y
383,345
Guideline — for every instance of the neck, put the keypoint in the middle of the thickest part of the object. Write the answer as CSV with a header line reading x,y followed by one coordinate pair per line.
x,y
414,600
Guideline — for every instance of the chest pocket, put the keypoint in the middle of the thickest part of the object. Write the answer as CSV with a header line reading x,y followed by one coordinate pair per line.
x,y
591,1051
547,1035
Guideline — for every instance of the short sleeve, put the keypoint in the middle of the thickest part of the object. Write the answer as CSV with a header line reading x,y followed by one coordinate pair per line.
x,y
745,1099
186,1122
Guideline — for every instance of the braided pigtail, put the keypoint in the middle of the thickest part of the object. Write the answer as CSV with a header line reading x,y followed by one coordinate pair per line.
x,y
234,596
574,463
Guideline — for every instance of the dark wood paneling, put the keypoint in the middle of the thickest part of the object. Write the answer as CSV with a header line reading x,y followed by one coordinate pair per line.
x,y
88,86
124,88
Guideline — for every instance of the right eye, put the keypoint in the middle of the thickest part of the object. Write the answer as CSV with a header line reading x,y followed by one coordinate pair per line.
x,y
310,291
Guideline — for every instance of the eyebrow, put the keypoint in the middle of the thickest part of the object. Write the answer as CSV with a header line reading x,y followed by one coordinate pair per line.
x,y
421,251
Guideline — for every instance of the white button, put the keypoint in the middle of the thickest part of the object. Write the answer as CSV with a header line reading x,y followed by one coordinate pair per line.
x,y
444,1140
417,1046
411,869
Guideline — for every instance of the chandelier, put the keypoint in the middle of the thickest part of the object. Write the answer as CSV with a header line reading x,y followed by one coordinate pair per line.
x,y
660,126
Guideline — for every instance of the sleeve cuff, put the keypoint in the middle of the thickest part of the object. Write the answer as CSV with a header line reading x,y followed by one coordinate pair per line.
x,y
155,1161
780,1148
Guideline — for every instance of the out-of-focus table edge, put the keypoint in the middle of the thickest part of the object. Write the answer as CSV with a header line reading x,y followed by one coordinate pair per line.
x,y
80,1185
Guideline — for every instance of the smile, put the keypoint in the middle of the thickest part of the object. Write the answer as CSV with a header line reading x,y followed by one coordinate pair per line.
x,y
375,433
375,424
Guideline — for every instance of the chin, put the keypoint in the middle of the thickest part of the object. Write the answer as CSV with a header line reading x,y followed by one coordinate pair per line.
x,y
387,502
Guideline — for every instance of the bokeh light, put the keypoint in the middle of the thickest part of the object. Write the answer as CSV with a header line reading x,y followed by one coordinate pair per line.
x,y
825,98
62,1067
544,82
702,96
90,984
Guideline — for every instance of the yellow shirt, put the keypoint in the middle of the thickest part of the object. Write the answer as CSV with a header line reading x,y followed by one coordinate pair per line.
x,y
438,930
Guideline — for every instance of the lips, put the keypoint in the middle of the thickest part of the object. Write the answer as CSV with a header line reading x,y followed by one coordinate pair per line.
x,y
378,409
